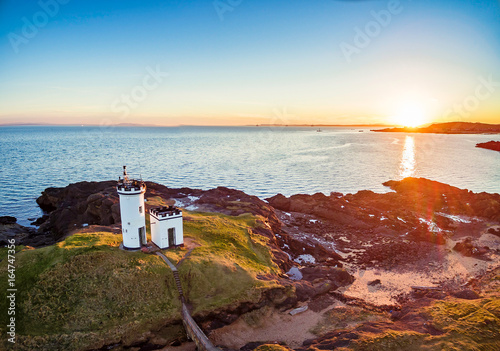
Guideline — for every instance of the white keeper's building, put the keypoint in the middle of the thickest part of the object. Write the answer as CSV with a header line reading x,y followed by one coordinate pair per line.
x,y
166,226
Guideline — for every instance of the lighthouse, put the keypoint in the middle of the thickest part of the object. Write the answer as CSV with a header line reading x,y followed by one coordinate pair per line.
x,y
131,192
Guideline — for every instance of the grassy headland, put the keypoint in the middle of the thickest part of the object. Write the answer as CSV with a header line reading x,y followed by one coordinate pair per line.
x,y
84,292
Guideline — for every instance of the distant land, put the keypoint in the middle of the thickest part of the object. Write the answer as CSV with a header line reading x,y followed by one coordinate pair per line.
x,y
327,125
77,125
448,128
490,145
199,125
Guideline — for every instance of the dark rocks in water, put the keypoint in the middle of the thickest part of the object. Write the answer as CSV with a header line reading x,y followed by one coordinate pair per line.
x,y
8,220
420,194
70,207
40,221
466,294
490,145
392,228
10,229
422,233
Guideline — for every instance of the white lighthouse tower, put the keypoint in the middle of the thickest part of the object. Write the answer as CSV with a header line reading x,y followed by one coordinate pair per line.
x,y
131,192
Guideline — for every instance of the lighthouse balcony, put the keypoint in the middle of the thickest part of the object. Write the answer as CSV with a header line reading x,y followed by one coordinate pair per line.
x,y
131,191
131,186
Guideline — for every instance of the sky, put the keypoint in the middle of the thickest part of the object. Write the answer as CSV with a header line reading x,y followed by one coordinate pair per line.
x,y
245,62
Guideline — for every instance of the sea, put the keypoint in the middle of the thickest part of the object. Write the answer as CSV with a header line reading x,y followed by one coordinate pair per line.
x,y
261,161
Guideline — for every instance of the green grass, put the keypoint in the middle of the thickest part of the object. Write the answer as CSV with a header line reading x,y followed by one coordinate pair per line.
x,y
390,341
472,325
85,292
224,269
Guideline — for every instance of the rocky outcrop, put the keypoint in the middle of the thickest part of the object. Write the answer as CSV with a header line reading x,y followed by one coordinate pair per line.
x,y
413,200
77,204
7,220
392,228
10,229
467,248
490,145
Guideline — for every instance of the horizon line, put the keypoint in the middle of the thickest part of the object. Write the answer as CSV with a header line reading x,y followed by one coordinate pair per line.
x,y
224,125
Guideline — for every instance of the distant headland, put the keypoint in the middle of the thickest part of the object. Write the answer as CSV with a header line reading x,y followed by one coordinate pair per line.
x,y
448,128
490,145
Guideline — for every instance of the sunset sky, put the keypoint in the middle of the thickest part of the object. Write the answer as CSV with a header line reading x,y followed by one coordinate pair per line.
x,y
234,62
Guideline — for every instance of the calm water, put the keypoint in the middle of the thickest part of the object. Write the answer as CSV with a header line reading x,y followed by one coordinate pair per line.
x,y
258,160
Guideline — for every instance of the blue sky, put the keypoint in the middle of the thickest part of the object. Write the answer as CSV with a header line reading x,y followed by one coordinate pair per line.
x,y
91,62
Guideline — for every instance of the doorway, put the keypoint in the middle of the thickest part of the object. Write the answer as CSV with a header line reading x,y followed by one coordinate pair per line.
x,y
142,236
171,236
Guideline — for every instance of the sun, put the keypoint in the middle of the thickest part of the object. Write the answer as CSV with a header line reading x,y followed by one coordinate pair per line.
x,y
410,115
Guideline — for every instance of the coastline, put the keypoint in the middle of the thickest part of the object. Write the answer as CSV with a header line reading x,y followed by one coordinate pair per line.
x,y
359,254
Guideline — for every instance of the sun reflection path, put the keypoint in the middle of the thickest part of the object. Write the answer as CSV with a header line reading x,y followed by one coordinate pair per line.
x,y
407,167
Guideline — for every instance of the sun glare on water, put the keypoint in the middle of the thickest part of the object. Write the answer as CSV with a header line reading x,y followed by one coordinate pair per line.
x,y
407,167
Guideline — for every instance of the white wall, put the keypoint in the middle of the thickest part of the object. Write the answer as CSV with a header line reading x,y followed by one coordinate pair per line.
x,y
132,219
159,230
